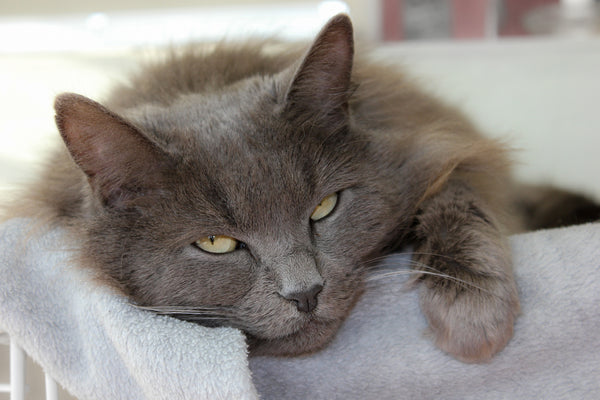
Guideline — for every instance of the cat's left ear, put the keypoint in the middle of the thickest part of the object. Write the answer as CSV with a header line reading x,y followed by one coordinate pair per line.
x,y
321,85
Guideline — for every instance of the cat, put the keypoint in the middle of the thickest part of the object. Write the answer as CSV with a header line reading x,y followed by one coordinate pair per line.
x,y
252,186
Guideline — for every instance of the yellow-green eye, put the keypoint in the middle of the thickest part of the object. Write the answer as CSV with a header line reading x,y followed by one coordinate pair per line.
x,y
217,244
325,207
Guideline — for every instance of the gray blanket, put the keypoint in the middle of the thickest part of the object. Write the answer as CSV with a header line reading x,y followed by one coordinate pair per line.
x,y
100,347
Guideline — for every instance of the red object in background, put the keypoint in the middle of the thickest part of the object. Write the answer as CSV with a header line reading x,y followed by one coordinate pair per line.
x,y
511,22
469,18
392,26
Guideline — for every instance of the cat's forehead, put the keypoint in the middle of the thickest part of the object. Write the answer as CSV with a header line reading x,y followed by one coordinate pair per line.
x,y
238,154
230,113
251,185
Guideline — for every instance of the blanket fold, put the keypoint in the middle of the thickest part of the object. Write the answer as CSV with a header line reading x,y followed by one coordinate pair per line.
x,y
98,346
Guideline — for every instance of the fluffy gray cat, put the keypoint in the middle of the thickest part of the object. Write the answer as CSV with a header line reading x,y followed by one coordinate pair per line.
x,y
255,187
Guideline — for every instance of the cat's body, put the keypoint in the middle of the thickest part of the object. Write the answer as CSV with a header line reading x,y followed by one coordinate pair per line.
x,y
239,146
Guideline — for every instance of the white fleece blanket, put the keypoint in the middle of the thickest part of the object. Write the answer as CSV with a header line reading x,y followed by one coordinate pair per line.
x,y
99,347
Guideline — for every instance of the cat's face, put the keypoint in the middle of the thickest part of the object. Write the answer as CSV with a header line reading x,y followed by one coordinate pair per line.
x,y
232,204
257,179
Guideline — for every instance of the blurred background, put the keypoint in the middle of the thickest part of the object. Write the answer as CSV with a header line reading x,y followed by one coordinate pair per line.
x,y
526,70
522,69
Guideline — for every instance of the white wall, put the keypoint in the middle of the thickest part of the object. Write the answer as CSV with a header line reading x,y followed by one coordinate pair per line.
x,y
541,94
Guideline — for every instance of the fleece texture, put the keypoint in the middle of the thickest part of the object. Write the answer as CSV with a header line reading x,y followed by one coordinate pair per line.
x,y
98,346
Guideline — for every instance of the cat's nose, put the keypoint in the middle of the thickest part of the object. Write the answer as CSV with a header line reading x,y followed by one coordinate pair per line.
x,y
306,301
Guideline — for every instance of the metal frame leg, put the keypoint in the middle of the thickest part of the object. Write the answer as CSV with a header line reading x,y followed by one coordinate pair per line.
x,y
17,372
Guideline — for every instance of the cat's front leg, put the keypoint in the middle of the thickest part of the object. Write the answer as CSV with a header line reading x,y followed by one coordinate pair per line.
x,y
468,292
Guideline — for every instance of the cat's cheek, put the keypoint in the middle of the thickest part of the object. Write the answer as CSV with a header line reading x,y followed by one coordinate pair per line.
x,y
212,280
359,228
344,283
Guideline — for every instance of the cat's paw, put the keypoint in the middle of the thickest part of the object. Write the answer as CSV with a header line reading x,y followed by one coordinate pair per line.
x,y
468,323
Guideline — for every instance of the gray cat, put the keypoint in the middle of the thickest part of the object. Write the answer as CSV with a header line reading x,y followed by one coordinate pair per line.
x,y
256,187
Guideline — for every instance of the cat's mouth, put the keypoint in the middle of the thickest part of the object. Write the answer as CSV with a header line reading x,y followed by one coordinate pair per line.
x,y
282,323
308,337
264,324
279,323
285,319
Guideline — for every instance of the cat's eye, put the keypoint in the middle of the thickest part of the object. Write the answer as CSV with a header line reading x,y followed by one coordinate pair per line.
x,y
325,207
218,244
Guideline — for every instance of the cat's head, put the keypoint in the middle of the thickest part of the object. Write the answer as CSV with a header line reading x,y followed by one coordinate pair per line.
x,y
256,206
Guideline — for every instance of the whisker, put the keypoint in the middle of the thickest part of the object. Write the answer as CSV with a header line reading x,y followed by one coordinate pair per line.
x,y
422,253
163,308
192,317
211,316
177,310
373,262
416,268
378,259
391,274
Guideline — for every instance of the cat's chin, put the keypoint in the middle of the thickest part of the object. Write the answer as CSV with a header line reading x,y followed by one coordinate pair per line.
x,y
282,320
285,324
309,338
289,332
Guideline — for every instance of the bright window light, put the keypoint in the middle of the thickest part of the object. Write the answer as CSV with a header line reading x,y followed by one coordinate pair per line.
x,y
328,9
123,30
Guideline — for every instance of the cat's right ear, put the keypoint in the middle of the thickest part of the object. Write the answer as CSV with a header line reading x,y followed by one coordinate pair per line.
x,y
120,162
